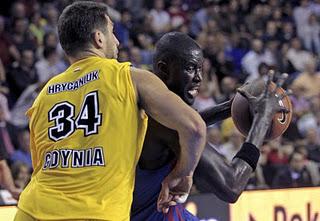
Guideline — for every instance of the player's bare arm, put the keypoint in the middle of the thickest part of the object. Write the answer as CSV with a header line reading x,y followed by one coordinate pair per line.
x,y
7,181
167,108
228,180
217,113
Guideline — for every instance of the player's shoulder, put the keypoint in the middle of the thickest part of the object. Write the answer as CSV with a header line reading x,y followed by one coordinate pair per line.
x,y
112,61
117,64
54,80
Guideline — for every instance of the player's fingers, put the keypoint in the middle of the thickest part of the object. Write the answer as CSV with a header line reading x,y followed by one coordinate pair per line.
x,y
245,93
166,205
269,80
165,209
172,203
159,203
163,196
162,199
280,81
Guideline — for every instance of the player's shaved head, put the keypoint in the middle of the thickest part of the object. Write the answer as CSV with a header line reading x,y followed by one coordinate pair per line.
x,y
173,46
77,23
178,63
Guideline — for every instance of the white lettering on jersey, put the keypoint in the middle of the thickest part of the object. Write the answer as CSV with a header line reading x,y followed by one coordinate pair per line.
x,y
74,158
73,85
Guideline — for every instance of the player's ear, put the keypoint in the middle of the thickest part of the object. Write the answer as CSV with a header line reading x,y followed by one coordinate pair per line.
x,y
98,39
163,70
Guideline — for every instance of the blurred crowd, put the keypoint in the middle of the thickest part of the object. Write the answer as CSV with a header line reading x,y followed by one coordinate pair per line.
x,y
241,40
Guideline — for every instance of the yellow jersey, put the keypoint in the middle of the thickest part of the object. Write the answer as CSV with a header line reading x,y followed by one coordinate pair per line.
x,y
86,136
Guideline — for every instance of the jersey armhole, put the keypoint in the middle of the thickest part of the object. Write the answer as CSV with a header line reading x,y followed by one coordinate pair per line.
x,y
33,111
132,89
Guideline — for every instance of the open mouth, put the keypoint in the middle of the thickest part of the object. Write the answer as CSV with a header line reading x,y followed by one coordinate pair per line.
x,y
193,92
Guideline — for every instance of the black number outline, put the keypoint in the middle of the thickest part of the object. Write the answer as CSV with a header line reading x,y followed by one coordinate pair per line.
x,y
97,116
56,118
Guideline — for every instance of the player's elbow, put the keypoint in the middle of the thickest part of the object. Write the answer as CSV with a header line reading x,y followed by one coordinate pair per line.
x,y
196,128
234,191
228,195
231,191
232,197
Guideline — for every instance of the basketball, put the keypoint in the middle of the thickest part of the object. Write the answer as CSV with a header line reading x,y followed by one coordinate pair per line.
x,y
242,116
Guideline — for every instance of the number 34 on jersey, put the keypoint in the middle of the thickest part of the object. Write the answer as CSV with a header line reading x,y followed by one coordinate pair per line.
x,y
66,122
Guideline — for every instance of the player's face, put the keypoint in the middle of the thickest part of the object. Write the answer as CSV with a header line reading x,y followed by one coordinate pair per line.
x,y
111,42
186,75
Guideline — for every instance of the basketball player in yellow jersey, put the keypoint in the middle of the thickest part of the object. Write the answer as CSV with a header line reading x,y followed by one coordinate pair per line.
x,y
87,128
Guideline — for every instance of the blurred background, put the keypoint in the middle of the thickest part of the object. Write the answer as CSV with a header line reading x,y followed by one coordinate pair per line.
x,y
241,40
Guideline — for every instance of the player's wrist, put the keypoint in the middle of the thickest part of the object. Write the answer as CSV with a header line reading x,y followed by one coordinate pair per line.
x,y
249,153
180,171
258,130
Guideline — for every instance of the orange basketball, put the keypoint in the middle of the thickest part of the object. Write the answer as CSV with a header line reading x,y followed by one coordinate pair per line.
x,y
242,115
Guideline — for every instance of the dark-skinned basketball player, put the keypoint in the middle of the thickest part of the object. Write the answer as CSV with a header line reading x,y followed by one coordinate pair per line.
x,y
178,63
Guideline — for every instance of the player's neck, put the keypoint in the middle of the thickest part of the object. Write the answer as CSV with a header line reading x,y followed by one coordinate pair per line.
x,y
85,54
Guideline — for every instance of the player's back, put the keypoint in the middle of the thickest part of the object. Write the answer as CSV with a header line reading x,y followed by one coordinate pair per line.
x,y
86,138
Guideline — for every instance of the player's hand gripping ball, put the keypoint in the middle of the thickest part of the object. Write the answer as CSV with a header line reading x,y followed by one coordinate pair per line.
x,y
242,114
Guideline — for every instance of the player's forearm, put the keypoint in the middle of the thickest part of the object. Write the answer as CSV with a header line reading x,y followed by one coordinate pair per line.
x,y
6,177
258,130
217,113
192,142
215,175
